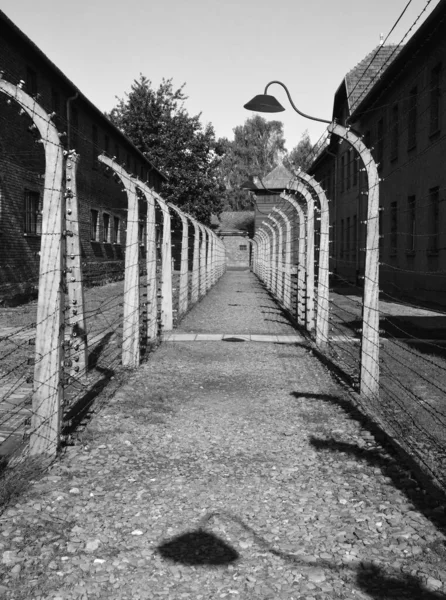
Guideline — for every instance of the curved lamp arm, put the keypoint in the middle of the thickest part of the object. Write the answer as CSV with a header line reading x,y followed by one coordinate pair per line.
x,y
292,103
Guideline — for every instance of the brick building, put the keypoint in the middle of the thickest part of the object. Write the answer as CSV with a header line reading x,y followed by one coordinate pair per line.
x,y
22,164
235,229
395,99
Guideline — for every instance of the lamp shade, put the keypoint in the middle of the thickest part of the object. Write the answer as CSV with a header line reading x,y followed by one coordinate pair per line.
x,y
264,103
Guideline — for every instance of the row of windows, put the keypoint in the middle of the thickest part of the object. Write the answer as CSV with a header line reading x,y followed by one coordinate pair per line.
x,y
393,130
432,228
400,119
402,227
109,233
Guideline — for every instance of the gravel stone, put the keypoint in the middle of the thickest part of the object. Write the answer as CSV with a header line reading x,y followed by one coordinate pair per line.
x,y
225,470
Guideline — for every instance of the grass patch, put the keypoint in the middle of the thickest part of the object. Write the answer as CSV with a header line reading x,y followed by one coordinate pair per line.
x,y
17,480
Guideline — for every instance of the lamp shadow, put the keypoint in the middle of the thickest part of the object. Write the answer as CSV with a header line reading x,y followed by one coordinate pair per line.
x,y
381,586
199,547
203,548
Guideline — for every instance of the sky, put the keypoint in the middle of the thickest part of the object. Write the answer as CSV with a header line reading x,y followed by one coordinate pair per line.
x,y
225,51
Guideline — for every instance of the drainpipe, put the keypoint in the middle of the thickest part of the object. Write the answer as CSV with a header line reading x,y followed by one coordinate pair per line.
x,y
69,101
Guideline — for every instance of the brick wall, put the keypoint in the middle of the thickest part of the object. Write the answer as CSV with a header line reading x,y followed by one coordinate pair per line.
x,y
237,250
22,166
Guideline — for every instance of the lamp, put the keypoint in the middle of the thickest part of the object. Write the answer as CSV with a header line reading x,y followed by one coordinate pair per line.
x,y
268,104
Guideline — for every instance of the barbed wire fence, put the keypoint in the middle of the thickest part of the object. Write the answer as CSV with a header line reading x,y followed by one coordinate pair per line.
x,y
92,318
405,361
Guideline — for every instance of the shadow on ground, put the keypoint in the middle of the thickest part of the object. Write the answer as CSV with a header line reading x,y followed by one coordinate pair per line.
x,y
199,547
381,586
202,548
386,459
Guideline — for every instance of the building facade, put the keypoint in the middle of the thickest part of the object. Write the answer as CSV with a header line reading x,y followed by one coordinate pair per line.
x,y
235,230
83,127
395,99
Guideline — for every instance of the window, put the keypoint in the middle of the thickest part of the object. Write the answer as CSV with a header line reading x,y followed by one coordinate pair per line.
x,y
435,94
243,247
411,227
116,152
348,166
107,145
434,231
74,141
141,173
347,238
355,170
393,228
412,117
342,173
31,81
94,152
394,133
105,228
94,234
380,143
342,239
354,234
116,230
33,213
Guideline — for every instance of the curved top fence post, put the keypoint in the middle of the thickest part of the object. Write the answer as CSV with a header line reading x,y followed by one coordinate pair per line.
x,y
301,261
370,326
324,255
47,394
301,188
131,317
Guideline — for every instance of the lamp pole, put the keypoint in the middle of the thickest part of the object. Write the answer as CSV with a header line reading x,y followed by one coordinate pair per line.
x,y
369,377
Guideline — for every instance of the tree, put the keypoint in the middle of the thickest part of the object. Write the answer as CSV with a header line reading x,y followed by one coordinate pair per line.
x,y
258,147
176,143
303,154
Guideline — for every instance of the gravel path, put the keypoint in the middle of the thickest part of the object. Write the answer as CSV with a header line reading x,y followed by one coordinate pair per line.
x,y
226,470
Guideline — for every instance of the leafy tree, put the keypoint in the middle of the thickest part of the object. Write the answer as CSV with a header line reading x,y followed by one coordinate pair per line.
x,y
303,154
257,148
176,143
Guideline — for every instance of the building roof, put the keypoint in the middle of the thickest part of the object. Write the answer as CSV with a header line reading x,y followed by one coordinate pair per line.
x,y
367,72
433,26
232,221
278,179
28,43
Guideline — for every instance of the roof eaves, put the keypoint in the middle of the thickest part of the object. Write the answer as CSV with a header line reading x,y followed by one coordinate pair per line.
x,y
403,54
75,89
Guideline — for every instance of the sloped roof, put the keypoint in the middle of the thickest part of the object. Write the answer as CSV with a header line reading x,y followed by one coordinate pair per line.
x,y
366,73
278,179
234,221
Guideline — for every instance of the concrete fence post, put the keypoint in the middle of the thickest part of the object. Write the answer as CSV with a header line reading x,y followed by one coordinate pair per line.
x,y
203,271
195,292
278,267
369,385
286,273
76,348
322,311
47,388
184,262
301,296
131,316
